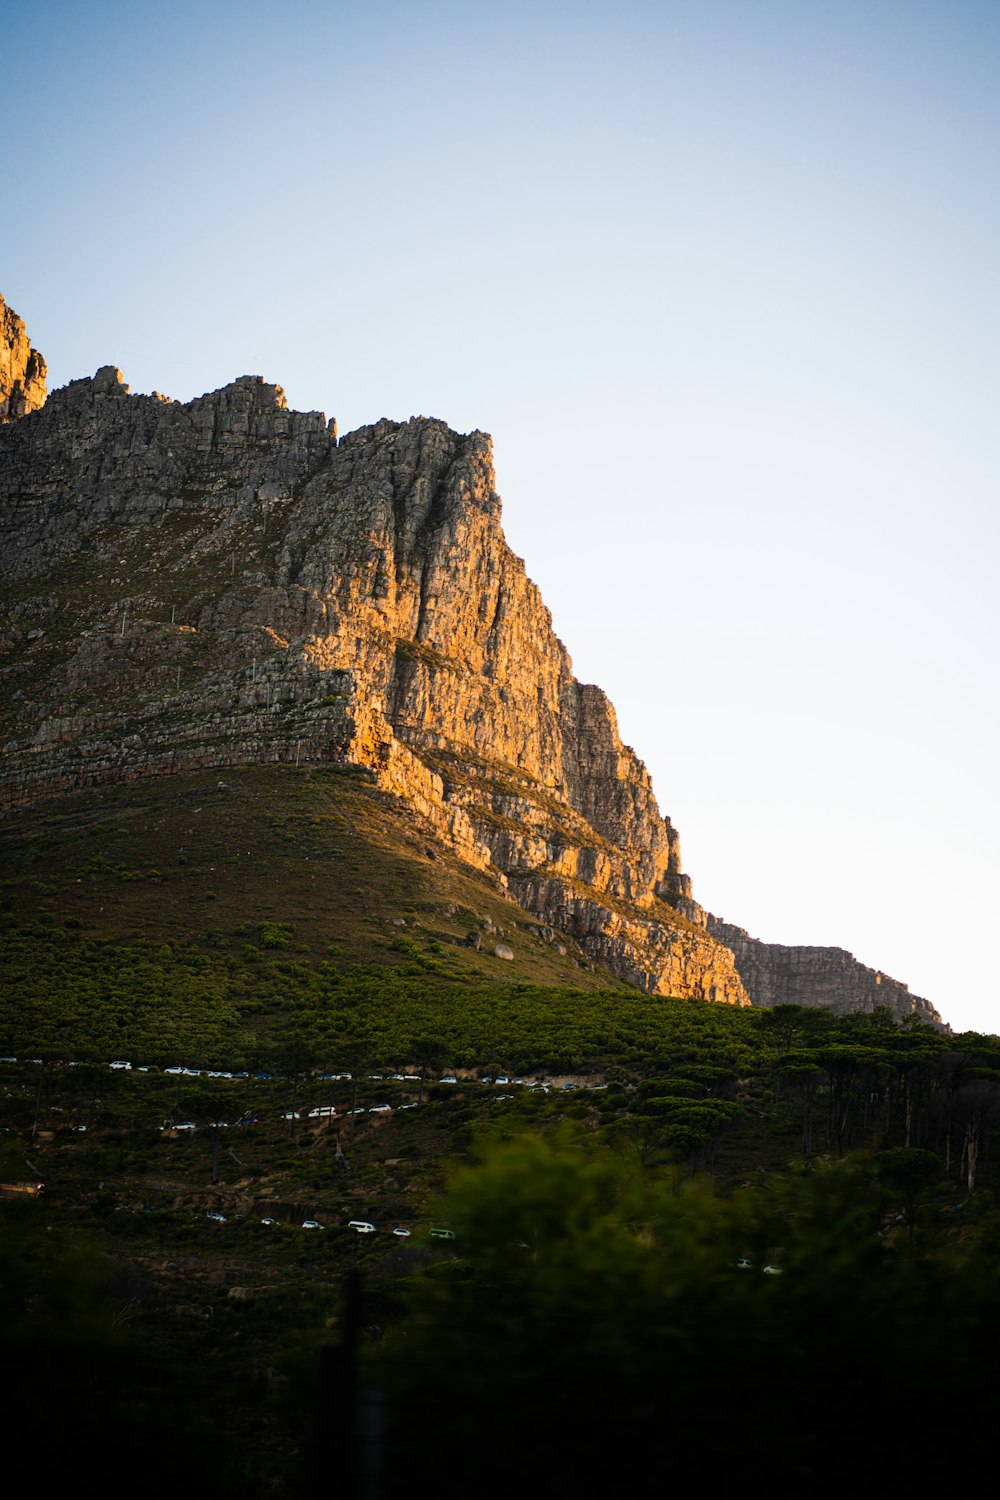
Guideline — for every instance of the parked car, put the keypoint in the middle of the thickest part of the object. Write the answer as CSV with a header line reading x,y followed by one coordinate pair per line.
x,y
361,1226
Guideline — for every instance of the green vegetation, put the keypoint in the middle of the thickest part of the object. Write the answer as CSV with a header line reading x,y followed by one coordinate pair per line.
x,y
600,1322
604,1302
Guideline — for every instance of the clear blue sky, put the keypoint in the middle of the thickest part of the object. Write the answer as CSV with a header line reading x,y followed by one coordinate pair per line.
x,y
720,278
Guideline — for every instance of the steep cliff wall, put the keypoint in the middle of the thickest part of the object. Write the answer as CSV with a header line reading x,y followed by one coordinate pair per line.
x,y
22,368
221,582
778,975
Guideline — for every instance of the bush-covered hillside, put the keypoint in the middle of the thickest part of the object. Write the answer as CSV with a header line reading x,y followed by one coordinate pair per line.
x,y
641,1234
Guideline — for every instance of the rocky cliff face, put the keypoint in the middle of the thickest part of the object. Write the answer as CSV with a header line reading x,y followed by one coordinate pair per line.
x,y
223,582
830,977
22,369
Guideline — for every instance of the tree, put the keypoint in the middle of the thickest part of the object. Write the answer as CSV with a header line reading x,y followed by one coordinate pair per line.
x,y
909,1171
594,1312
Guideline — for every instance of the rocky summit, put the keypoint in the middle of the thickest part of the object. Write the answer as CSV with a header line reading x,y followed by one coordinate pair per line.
x,y
226,582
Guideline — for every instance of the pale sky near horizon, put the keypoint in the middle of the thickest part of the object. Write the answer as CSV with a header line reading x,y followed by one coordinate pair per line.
x,y
720,278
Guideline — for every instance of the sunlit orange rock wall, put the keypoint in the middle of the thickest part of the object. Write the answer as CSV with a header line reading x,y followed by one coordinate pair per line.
x,y
221,582
22,368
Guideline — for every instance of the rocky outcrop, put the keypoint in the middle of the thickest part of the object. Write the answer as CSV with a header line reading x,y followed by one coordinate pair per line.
x,y
222,582
774,974
22,368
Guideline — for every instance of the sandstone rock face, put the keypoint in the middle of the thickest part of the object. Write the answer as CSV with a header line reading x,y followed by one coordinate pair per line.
x,y
222,582
22,368
831,977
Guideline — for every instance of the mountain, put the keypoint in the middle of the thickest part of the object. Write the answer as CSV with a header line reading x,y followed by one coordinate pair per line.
x,y
778,974
225,582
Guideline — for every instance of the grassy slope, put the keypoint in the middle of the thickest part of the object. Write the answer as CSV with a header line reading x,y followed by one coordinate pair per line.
x,y
208,857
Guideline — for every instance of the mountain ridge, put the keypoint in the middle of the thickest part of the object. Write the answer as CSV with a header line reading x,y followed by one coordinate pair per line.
x,y
225,581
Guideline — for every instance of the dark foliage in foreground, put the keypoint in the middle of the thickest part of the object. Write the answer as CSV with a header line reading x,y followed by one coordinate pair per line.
x,y
602,1328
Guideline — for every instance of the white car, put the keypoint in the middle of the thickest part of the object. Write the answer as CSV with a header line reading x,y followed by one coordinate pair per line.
x,y
361,1226
311,1224
126,1065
